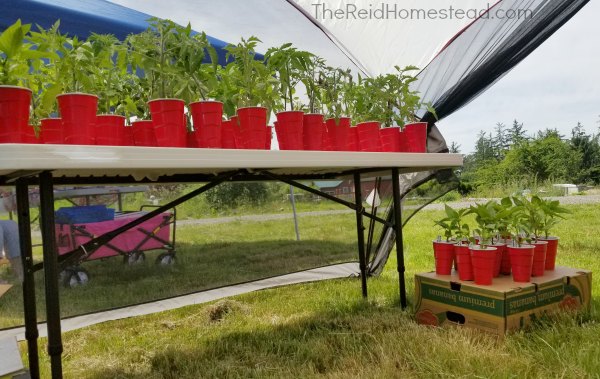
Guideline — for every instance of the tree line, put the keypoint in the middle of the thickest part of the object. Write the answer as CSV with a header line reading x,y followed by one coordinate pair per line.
x,y
509,155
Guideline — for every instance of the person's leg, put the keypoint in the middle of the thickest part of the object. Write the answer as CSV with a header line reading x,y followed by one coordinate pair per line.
x,y
10,237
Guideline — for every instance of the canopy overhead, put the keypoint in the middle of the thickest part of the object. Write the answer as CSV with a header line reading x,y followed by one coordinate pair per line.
x,y
462,46
83,17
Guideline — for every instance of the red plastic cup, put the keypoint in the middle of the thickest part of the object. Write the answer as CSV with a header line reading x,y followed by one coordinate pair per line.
x,y
500,249
484,262
227,134
207,117
143,133
253,127
289,129
269,136
14,113
550,252
51,131
29,135
463,262
110,130
78,115
403,141
521,262
539,258
327,144
168,119
416,137
444,257
368,136
191,140
338,133
390,139
353,139
505,264
313,130
128,137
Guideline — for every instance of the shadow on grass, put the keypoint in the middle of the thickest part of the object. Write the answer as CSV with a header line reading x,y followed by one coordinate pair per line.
x,y
198,267
316,345
358,339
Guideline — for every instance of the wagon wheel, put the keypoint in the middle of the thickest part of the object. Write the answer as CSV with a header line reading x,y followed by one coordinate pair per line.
x,y
74,277
166,259
134,258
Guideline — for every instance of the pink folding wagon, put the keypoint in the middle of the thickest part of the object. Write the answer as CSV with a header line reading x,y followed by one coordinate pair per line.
x,y
157,233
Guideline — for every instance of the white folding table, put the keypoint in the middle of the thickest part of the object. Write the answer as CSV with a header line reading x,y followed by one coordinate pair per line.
x,y
47,165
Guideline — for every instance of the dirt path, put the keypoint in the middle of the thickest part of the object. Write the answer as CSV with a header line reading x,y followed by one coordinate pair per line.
x,y
584,199
587,199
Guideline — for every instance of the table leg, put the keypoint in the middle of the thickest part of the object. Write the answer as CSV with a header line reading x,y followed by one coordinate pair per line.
x,y
55,347
399,244
360,229
29,308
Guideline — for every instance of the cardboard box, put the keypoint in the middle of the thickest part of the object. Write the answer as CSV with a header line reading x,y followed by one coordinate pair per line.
x,y
4,288
503,306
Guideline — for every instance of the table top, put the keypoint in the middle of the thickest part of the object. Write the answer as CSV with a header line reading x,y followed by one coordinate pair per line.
x,y
153,162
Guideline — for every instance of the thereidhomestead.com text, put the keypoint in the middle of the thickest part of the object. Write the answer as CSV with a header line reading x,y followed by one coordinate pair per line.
x,y
390,11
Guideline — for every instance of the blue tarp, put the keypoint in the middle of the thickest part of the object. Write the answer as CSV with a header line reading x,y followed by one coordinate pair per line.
x,y
83,17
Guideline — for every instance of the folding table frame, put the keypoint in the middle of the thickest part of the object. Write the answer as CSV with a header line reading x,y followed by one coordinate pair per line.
x,y
47,165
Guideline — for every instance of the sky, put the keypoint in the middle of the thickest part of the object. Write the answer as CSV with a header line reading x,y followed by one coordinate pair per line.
x,y
556,86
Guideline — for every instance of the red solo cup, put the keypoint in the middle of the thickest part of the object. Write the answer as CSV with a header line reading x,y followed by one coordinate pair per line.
x,y
29,135
207,117
252,127
51,131
539,258
227,134
353,139
444,257
110,130
313,130
483,262
368,136
390,139
14,113
550,252
289,129
170,128
416,137
463,262
521,262
338,133
78,115
143,133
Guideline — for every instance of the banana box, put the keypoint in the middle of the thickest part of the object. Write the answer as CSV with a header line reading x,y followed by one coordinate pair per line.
x,y
4,288
505,305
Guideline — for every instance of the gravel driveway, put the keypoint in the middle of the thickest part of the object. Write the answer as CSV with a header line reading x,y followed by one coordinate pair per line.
x,y
584,199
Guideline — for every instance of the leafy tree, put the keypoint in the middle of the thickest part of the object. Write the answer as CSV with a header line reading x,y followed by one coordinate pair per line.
x,y
232,195
548,158
484,147
517,134
589,148
501,141
454,148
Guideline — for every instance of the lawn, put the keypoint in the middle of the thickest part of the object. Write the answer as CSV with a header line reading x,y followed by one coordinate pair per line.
x,y
326,330
208,256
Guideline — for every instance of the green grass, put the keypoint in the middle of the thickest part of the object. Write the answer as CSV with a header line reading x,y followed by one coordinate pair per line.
x,y
326,330
208,256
